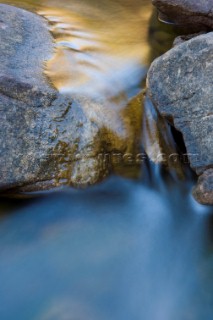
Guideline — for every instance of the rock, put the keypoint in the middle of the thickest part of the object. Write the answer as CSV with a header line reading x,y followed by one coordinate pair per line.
x,y
48,139
180,86
203,192
187,12
183,38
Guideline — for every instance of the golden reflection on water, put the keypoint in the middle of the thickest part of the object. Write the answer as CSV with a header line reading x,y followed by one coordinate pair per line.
x,y
101,46
97,54
102,52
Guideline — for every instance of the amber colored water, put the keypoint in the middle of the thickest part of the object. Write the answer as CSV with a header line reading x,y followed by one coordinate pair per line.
x,y
137,248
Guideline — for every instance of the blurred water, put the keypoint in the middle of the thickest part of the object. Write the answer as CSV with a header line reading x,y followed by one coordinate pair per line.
x,y
101,46
121,250
126,249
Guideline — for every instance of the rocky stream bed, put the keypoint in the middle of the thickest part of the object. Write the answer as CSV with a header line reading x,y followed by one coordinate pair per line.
x,y
50,139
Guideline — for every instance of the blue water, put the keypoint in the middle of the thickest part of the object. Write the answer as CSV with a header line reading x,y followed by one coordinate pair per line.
x,y
125,249
122,250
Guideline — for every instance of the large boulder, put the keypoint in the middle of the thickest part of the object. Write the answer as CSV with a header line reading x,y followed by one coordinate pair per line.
x,y
180,86
48,139
186,12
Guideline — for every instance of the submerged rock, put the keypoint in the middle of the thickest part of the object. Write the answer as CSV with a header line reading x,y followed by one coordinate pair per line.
x,y
48,139
186,12
180,86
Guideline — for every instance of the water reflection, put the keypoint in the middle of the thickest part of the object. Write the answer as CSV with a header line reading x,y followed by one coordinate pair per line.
x,y
97,55
101,57
101,47
126,249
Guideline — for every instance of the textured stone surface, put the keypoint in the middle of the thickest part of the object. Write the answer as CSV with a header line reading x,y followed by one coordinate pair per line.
x,y
185,12
183,38
180,85
47,139
203,192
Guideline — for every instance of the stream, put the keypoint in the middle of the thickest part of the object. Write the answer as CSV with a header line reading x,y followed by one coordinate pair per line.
x,y
136,246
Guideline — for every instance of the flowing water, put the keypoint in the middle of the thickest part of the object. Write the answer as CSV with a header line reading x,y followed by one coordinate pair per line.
x,y
126,249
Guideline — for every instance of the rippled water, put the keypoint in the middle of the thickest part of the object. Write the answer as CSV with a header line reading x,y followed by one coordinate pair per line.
x,y
102,46
128,248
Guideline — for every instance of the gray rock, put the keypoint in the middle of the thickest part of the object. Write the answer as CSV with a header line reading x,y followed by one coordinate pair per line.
x,y
180,85
203,192
47,139
183,38
186,12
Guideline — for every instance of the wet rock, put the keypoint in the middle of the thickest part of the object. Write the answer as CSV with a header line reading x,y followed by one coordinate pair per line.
x,y
186,12
180,86
203,192
183,38
48,139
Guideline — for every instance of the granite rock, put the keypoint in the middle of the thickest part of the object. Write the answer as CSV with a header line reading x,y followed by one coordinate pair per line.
x,y
48,139
180,86
186,12
203,192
